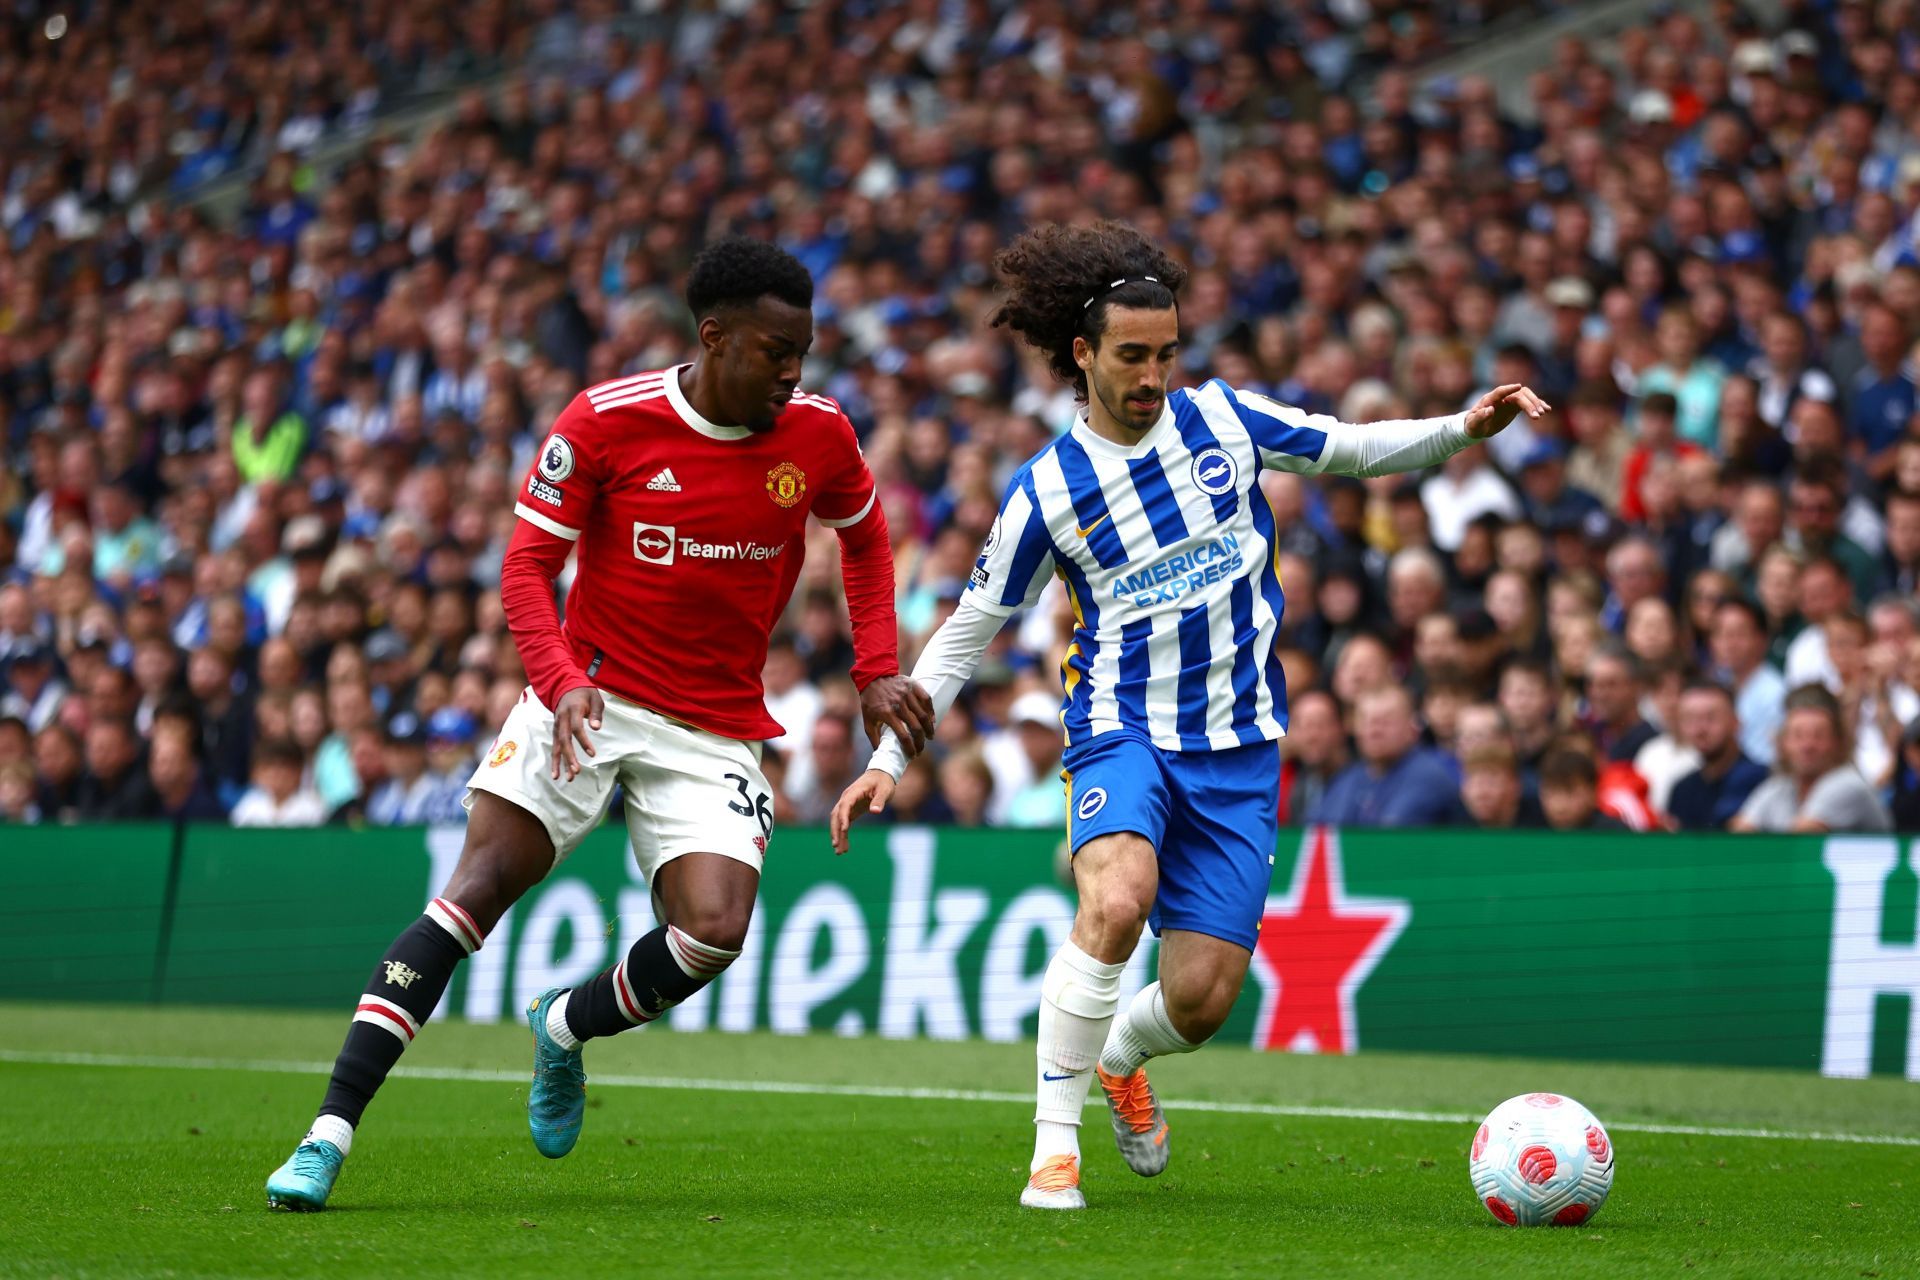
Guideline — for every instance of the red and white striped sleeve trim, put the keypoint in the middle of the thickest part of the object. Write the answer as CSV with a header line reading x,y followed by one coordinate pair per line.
x,y
388,1015
540,520
451,917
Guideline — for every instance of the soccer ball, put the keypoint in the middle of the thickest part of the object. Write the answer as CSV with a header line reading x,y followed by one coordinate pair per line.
x,y
1541,1160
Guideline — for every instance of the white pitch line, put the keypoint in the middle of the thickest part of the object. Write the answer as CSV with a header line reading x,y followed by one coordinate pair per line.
x,y
486,1076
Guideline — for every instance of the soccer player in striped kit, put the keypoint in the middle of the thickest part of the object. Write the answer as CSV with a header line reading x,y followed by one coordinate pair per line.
x,y
1149,509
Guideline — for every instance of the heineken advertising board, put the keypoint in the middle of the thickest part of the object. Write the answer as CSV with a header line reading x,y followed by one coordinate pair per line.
x,y
1778,951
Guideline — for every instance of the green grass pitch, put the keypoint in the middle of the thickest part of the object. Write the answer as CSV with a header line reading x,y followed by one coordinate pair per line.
x,y
134,1142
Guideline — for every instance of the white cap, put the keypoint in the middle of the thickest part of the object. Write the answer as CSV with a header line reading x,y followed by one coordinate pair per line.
x,y
1798,44
1035,708
1570,291
1650,106
1753,58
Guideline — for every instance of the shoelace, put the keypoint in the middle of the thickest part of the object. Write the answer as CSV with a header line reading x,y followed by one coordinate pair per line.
x,y
1060,1173
553,1060
310,1160
1132,1099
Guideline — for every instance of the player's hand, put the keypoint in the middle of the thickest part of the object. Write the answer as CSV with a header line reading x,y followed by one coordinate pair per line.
x,y
579,710
1494,410
867,793
900,703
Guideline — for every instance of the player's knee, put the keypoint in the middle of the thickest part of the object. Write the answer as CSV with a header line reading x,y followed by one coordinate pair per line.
x,y
488,882
722,928
1198,1005
1117,905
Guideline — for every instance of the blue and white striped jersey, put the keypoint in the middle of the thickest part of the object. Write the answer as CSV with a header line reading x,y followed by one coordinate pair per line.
x,y
1167,553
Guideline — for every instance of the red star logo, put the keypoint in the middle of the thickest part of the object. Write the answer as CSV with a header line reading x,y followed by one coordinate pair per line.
x,y
1316,947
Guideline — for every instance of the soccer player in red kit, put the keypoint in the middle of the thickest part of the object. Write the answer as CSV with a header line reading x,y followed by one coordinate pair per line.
x,y
686,494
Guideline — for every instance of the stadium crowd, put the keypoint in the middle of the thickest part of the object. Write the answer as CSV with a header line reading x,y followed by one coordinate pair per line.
x,y
258,478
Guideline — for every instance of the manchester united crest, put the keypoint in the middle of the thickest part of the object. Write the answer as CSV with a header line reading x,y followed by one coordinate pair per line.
x,y
786,484
502,753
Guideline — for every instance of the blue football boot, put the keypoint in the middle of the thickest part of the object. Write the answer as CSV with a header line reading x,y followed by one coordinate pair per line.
x,y
305,1181
557,1102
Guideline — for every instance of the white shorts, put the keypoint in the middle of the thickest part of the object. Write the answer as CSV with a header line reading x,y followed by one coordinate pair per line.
x,y
687,790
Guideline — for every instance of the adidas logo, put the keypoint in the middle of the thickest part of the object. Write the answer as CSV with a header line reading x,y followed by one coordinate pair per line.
x,y
664,482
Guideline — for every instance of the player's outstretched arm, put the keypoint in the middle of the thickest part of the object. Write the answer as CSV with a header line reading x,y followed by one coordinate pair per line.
x,y
944,666
1387,448
1289,439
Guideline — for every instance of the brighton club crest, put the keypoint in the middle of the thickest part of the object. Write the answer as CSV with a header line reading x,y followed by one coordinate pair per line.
x,y
786,484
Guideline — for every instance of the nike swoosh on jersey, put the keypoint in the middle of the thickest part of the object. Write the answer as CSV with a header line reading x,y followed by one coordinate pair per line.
x,y
1090,528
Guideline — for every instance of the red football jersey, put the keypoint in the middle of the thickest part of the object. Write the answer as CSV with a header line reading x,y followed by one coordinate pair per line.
x,y
690,539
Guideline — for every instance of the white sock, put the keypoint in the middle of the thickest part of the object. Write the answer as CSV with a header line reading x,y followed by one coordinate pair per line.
x,y
1077,999
331,1129
1144,1031
557,1023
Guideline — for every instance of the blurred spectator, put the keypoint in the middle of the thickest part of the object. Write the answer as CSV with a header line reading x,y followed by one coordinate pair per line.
x,y
1872,699
1906,782
1658,441
450,734
1824,594
1666,757
178,784
1739,649
411,790
1491,791
1708,798
1395,782
966,788
1614,687
58,762
1816,500
1569,793
114,787
1692,381
1900,563
1816,787
1312,754
1881,398
18,803
34,693
1026,785
277,798
793,702
817,777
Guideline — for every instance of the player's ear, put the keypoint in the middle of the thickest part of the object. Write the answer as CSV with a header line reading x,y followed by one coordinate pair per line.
x,y
1083,353
713,334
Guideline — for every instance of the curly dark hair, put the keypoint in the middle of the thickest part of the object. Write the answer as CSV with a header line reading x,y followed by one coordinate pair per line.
x,y
737,270
1051,272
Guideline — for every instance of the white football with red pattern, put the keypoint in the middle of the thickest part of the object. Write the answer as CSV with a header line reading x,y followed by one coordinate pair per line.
x,y
1541,1160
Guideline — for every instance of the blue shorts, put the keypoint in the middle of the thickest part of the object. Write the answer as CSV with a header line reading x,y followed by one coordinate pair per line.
x,y
1212,817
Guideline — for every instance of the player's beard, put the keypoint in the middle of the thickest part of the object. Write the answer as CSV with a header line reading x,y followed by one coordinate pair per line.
x,y
1114,398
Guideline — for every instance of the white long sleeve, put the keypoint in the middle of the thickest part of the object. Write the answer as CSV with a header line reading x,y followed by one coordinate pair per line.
x,y
1291,439
1384,448
945,664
